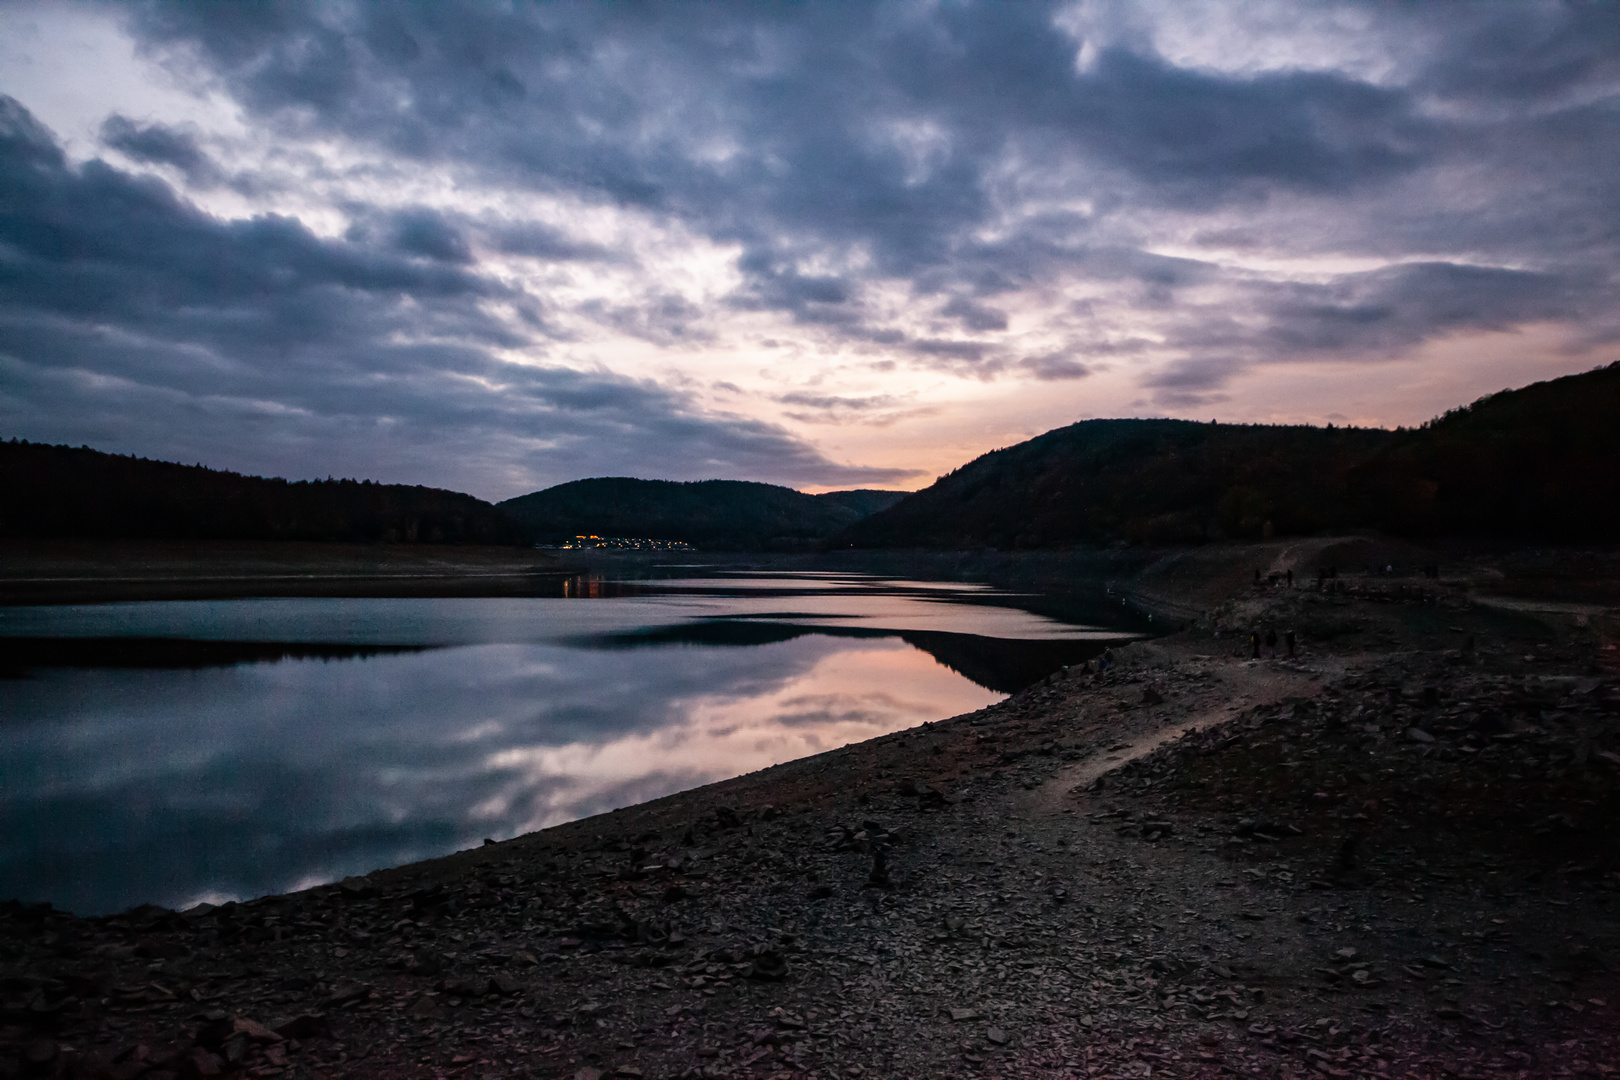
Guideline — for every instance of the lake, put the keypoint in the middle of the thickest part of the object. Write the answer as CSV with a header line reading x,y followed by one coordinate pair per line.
x,y
205,750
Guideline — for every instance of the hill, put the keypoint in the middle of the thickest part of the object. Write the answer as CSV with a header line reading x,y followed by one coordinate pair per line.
x,y
1162,481
1542,462
58,491
717,515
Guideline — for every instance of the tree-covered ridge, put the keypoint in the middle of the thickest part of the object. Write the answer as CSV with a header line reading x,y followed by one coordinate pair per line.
x,y
50,491
717,515
1541,462
1169,481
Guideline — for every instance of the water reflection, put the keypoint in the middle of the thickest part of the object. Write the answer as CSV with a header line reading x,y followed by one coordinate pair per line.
x,y
149,755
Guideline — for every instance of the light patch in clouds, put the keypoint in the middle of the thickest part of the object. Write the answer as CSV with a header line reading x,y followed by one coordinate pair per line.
x,y
498,248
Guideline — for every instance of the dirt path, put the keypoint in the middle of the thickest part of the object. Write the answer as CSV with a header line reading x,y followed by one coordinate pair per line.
x,y
1246,684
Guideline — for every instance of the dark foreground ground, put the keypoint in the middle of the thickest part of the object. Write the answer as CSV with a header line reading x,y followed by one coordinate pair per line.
x,y
1394,855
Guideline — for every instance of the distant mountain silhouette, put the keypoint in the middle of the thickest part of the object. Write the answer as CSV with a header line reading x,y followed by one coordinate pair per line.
x,y
715,515
65,491
1541,462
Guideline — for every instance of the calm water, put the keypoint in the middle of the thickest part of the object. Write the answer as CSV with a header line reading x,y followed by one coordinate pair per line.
x,y
204,750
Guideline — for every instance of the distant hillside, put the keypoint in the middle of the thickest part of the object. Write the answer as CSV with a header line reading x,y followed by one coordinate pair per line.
x,y
64,491
1541,462
1164,481
716,515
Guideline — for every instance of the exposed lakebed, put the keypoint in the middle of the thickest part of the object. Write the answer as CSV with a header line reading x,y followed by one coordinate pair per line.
x,y
171,752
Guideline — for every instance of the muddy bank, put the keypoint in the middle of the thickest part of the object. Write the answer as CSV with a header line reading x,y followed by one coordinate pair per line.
x,y
1391,855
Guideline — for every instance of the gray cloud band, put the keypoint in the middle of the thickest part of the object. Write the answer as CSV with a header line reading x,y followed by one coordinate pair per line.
x,y
132,319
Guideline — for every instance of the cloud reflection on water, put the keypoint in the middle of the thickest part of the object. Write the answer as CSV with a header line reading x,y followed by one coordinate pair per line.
x,y
120,787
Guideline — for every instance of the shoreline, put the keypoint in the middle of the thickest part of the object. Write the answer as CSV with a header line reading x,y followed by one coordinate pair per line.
x,y
1385,858
49,572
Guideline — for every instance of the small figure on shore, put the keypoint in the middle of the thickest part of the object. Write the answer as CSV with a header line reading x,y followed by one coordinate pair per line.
x,y
1271,643
1257,575
1254,644
1290,577
1288,639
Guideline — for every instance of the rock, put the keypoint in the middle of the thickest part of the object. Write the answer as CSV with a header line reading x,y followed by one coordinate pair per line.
x,y
357,888
201,1063
426,1008
344,993
964,1014
880,868
1418,735
726,817
40,1054
503,982
1151,696
770,966
997,1036
304,1026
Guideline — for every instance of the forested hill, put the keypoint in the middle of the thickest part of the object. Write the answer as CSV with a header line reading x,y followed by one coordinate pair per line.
x,y
1163,481
1542,462
716,515
50,491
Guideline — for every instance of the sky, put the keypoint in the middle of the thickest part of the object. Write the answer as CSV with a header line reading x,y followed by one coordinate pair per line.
x,y
496,247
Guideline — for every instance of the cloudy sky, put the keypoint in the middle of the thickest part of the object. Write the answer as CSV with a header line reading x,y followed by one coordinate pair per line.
x,y
497,247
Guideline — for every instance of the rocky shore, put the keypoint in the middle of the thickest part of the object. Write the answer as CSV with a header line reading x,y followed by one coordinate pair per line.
x,y
1392,855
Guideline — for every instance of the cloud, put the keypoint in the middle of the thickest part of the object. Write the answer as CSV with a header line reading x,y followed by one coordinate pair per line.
x,y
1054,367
1075,197
1383,312
160,144
974,316
133,320
873,410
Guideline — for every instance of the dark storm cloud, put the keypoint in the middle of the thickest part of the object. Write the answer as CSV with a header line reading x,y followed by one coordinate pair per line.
x,y
1380,313
431,235
897,131
910,184
1386,310
133,320
160,144
829,108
